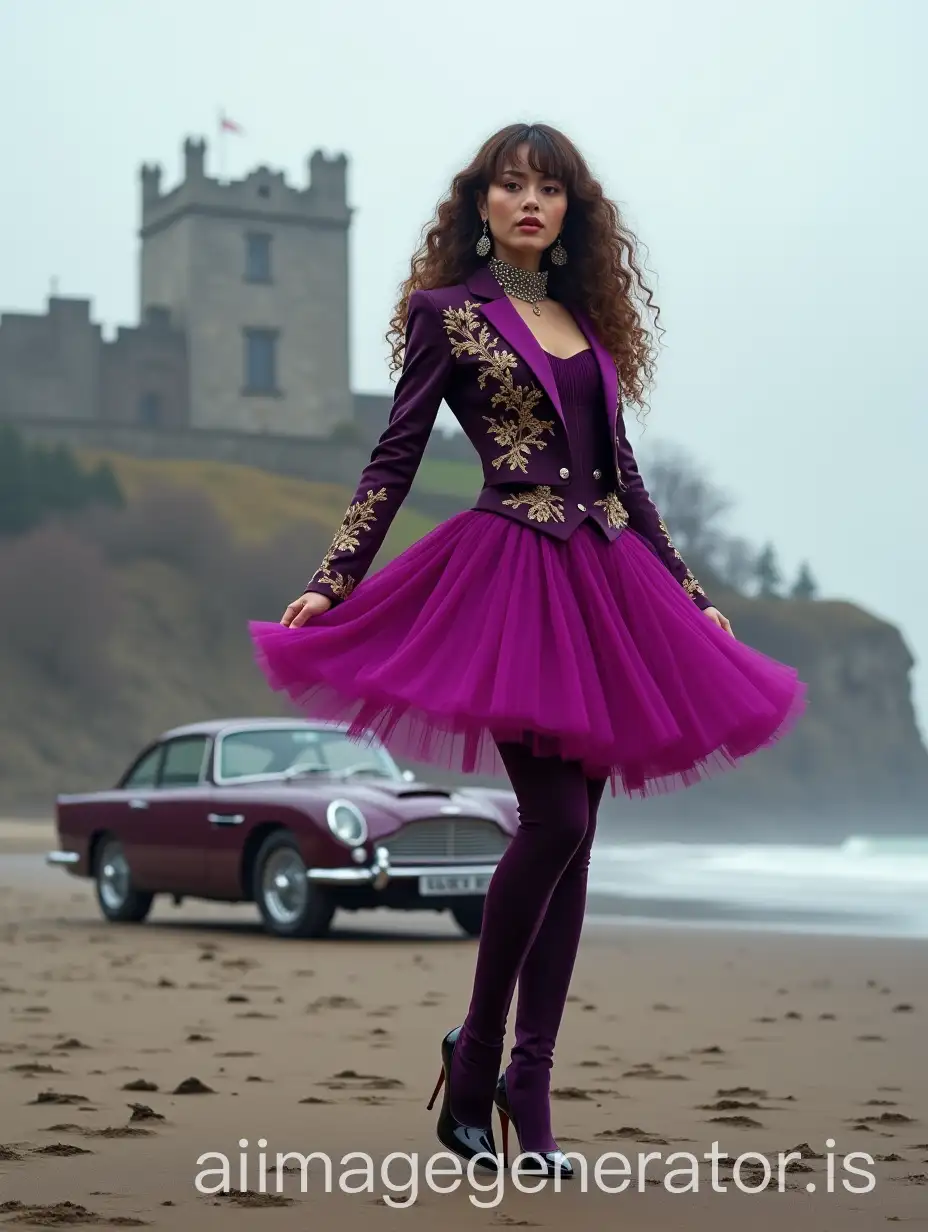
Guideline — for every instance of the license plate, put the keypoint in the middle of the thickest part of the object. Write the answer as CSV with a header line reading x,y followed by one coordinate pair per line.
x,y
454,883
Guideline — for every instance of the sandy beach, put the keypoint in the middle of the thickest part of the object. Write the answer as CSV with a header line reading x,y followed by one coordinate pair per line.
x,y
129,1053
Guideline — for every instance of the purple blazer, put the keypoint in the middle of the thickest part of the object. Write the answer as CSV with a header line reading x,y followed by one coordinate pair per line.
x,y
467,345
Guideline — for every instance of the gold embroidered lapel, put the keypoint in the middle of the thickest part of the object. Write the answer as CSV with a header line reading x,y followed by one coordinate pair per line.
x,y
517,431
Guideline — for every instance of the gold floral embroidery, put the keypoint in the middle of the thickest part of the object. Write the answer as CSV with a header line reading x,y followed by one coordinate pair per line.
x,y
689,583
616,513
521,431
542,502
359,516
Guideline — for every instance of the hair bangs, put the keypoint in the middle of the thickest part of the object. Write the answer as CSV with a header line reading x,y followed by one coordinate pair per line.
x,y
544,154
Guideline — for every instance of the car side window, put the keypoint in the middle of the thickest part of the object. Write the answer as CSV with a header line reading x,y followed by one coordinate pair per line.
x,y
183,762
145,771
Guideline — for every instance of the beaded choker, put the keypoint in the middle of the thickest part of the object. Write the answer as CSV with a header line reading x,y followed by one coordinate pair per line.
x,y
528,285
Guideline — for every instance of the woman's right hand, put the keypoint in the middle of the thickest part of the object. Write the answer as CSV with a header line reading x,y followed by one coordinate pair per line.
x,y
304,608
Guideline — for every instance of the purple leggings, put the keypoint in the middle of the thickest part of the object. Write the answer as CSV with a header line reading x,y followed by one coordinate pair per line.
x,y
532,921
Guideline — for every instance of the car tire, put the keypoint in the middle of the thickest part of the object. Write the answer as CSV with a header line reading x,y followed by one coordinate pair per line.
x,y
468,915
117,897
289,903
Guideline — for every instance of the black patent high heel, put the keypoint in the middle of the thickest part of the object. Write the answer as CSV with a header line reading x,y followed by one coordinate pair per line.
x,y
467,1141
541,1163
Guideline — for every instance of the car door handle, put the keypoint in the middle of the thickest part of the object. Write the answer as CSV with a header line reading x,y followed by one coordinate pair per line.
x,y
138,804
225,819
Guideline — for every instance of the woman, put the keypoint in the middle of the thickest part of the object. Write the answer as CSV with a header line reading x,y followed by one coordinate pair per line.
x,y
553,630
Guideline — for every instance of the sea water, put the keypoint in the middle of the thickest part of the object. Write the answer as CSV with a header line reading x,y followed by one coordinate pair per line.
x,y
866,885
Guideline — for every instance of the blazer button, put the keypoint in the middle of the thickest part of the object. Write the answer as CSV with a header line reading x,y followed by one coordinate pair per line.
x,y
597,474
582,508
565,473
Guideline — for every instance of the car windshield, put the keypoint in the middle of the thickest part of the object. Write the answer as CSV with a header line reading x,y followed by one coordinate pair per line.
x,y
294,751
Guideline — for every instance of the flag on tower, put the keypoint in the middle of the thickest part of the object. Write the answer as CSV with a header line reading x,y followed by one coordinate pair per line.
x,y
229,126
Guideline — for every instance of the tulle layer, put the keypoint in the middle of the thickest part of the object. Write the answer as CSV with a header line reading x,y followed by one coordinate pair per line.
x,y
488,630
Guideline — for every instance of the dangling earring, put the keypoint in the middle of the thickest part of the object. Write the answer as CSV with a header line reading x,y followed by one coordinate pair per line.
x,y
558,253
483,244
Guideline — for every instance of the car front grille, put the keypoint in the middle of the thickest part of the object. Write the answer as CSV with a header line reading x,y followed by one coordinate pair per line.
x,y
459,838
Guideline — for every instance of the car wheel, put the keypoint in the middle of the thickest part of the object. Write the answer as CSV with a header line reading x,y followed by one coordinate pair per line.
x,y
118,898
469,916
290,905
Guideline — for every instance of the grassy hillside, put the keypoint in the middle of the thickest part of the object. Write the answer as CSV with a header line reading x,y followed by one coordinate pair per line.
x,y
255,503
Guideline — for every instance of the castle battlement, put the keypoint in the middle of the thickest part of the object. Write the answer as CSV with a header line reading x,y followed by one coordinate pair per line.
x,y
262,195
243,315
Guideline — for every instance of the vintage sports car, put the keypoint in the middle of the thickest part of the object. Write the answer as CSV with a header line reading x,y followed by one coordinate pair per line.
x,y
290,815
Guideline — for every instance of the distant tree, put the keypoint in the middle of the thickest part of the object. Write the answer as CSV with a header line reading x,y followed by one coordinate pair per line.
x,y
57,479
19,508
37,481
736,564
690,503
804,586
103,486
767,573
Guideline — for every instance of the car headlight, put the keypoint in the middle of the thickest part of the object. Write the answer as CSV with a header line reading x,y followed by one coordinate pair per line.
x,y
346,821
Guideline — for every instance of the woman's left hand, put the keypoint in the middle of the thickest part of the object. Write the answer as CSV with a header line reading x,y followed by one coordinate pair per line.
x,y
714,614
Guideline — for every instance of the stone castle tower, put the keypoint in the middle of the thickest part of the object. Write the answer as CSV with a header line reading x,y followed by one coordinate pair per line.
x,y
255,273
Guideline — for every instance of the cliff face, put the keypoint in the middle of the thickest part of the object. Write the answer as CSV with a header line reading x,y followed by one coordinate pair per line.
x,y
854,763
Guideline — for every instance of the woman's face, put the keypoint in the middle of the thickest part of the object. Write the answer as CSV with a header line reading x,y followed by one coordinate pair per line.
x,y
525,210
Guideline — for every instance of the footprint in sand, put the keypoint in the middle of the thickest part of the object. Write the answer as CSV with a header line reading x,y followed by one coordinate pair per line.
x,y
254,1198
64,1213
142,1112
729,1105
635,1132
885,1118
58,1097
192,1086
347,1078
645,1069
336,1002
62,1149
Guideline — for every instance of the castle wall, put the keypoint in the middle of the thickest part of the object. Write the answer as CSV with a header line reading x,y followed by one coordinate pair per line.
x,y
50,365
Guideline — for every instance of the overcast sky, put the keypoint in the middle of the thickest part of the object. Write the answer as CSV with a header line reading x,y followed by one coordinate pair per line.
x,y
770,155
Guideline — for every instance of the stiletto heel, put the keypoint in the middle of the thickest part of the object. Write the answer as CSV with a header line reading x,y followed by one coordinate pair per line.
x,y
467,1141
438,1086
504,1129
546,1163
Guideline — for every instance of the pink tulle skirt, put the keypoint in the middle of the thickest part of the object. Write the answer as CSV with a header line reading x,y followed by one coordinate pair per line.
x,y
487,630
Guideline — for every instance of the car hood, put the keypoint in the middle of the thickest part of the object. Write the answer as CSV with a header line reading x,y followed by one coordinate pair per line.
x,y
387,805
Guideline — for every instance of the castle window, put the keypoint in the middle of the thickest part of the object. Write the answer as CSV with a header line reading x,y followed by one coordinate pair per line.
x,y
261,361
257,257
150,409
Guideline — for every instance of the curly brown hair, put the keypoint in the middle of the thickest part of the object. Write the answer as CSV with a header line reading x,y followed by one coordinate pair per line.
x,y
602,275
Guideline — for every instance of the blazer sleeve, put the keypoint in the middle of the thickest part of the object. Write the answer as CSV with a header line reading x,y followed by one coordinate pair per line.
x,y
644,517
387,478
